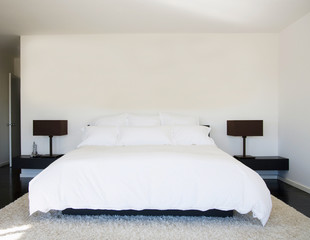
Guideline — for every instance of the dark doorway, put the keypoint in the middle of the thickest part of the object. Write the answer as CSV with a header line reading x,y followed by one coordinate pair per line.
x,y
14,117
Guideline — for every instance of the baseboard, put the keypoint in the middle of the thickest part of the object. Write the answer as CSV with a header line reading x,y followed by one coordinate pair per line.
x,y
295,184
4,163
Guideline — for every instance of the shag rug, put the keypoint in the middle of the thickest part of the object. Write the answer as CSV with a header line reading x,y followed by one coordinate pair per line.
x,y
15,223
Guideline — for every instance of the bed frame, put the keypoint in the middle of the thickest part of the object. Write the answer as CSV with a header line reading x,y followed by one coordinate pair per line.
x,y
150,212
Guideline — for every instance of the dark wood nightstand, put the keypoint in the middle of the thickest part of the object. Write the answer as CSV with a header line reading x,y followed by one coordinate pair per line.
x,y
27,162
266,163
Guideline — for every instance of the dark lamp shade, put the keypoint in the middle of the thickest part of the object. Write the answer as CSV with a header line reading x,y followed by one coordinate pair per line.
x,y
245,127
50,127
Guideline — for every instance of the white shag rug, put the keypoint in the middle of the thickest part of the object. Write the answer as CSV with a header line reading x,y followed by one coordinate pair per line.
x,y
15,223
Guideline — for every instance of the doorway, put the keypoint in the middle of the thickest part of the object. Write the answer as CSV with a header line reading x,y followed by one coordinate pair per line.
x,y
14,117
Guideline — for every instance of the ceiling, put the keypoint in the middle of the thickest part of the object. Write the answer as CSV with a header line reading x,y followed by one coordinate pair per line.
x,y
26,17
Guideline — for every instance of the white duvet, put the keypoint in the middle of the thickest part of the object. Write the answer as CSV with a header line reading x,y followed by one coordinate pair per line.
x,y
150,177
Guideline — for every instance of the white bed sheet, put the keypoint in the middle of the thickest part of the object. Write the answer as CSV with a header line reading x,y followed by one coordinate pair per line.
x,y
150,177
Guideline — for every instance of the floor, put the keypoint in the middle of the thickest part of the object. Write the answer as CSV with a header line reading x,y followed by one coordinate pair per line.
x,y
12,188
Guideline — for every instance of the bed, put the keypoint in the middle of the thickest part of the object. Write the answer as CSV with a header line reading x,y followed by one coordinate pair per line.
x,y
171,167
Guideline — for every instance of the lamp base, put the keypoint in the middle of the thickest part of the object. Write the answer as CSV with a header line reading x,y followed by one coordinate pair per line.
x,y
244,157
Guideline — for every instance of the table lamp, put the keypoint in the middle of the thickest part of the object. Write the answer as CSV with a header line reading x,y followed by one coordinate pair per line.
x,y
50,128
245,128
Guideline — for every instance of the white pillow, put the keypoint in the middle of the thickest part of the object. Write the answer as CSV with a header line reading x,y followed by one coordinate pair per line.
x,y
130,136
100,136
191,135
143,120
177,119
112,120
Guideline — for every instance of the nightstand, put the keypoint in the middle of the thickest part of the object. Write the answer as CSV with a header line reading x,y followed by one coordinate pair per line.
x,y
266,163
27,162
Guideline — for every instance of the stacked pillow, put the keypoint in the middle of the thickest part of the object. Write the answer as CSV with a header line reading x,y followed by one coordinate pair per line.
x,y
155,135
100,136
191,135
138,129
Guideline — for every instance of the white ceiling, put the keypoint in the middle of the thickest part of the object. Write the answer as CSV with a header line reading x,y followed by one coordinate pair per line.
x,y
25,17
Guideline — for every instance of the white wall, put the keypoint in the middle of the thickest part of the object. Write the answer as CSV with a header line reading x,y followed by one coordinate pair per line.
x,y
215,76
294,99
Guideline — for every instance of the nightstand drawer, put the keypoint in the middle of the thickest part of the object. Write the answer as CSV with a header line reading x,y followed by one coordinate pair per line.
x,y
266,163
27,162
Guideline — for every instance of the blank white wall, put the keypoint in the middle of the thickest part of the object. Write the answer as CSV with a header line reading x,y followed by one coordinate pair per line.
x,y
215,76
294,99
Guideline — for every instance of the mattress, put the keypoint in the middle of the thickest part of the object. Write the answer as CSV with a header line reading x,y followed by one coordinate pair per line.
x,y
150,177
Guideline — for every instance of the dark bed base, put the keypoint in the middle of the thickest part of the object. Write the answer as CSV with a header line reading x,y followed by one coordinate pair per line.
x,y
149,212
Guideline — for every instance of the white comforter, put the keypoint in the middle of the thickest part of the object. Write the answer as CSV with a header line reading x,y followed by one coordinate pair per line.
x,y
150,177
